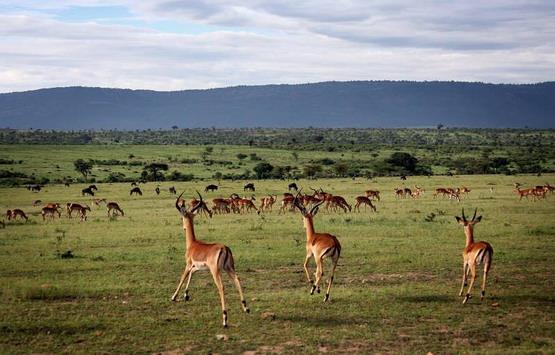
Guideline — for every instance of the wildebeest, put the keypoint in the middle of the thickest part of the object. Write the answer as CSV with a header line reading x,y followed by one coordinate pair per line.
x,y
211,187
34,188
249,187
157,190
135,190
93,187
87,191
172,190
293,186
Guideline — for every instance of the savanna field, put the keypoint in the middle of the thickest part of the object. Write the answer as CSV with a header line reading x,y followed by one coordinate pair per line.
x,y
395,289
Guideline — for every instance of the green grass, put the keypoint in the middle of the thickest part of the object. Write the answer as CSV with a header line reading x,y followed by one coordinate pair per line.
x,y
395,289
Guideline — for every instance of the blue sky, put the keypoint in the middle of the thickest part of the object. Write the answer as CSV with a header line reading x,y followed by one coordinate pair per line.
x,y
189,44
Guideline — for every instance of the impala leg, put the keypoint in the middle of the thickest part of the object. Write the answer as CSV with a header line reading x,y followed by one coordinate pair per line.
x,y
473,272
486,270
186,271
220,285
335,260
306,260
318,275
191,272
235,279
463,284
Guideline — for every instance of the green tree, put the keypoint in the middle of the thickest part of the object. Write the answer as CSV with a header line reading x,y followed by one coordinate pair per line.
x,y
153,171
263,170
83,167
403,160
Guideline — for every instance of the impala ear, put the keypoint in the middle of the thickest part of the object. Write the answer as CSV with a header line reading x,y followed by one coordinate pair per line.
x,y
315,210
478,219
459,219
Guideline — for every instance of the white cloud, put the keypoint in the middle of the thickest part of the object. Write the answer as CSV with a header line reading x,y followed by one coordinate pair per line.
x,y
259,42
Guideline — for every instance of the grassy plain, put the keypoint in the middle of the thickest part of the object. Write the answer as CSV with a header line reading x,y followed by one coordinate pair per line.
x,y
395,289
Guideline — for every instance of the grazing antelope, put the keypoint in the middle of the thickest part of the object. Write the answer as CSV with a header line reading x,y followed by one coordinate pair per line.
x,y
55,205
249,187
464,190
172,190
286,203
203,207
36,203
319,245
221,205
443,191
247,204
474,254
399,193
87,191
13,214
363,200
200,256
114,208
337,201
98,201
372,194
50,212
293,186
157,190
549,187
81,210
267,203
136,190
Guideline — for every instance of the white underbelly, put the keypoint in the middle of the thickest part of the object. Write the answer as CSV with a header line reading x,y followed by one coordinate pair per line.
x,y
199,265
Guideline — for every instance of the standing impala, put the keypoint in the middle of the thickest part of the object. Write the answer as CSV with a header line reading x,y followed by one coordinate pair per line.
x,y
201,256
319,245
473,255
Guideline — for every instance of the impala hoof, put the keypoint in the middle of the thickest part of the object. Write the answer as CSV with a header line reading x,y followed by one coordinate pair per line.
x,y
312,290
327,297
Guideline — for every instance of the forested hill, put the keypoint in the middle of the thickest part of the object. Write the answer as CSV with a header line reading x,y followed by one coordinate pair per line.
x,y
328,104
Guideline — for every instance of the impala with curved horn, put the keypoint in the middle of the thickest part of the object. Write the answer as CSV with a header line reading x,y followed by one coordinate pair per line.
x,y
200,256
474,254
319,245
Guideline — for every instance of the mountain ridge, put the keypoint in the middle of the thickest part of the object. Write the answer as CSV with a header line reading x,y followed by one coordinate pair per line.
x,y
359,104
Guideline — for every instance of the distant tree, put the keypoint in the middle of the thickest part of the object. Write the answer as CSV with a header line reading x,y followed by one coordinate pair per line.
x,y
175,127
311,170
153,170
263,170
83,167
341,169
403,160
440,126
241,156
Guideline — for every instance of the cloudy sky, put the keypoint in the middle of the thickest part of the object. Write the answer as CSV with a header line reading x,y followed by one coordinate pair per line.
x,y
188,44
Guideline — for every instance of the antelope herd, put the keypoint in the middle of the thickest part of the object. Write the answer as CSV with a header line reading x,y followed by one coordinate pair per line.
x,y
217,258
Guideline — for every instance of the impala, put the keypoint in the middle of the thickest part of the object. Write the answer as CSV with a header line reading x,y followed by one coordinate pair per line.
x,y
363,200
267,203
200,256
98,201
136,190
524,193
319,245
13,214
474,254
50,212
114,208
81,210
372,194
